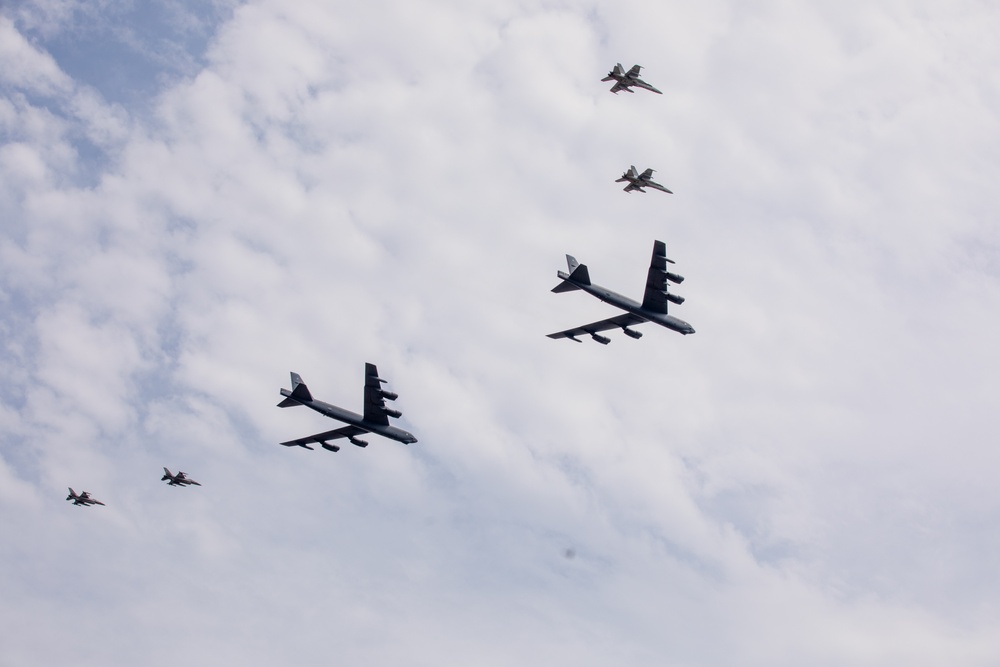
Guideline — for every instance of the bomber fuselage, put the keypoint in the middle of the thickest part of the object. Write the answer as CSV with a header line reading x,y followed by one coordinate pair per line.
x,y
354,419
630,306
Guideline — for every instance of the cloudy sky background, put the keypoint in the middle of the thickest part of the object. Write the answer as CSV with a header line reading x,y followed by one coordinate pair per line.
x,y
197,198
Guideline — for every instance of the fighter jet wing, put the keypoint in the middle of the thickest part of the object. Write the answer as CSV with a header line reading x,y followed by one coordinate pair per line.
x,y
634,72
618,322
655,296
646,175
374,400
620,86
342,432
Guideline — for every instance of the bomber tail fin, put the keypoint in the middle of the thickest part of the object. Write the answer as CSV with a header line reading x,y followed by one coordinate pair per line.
x,y
578,275
298,395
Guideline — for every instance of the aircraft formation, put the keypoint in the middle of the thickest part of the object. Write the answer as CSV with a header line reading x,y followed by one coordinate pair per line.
x,y
84,499
375,416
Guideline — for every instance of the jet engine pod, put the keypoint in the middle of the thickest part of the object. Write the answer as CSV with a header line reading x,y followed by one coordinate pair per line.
x,y
673,298
396,414
632,333
332,448
603,340
355,441
674,277
389,395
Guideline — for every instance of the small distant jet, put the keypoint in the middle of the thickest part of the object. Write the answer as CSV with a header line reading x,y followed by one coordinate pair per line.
x,y
180,479
625,80
652,309
375,419
637,181
82,499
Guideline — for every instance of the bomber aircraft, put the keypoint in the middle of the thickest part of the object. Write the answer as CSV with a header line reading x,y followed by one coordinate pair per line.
x,y
180,479
374,420
82,499
625,80
652,309
637,181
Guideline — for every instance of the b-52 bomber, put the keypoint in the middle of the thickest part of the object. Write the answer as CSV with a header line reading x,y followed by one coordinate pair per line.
x,y
374,420
82,499
652,309
625,80
180,479
637,181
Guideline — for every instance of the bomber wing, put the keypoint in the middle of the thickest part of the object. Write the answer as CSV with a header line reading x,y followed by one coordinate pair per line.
x,y
375,410
617,322
321,438
655,297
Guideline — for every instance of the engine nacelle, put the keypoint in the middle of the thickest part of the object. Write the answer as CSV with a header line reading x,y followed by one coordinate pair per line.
x,y
674,277
603,340
395,414
355,441
332,448
673,298
388,395
632,333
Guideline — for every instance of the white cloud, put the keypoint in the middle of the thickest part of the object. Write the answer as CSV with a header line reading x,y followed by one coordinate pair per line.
x,y
806,479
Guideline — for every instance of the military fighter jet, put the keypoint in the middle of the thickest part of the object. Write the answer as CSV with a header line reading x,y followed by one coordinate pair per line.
x,y
637,181
180,479
375,419
625,80
652,309
82,499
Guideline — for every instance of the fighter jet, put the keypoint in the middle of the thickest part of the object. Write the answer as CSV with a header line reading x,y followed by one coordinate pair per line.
x,y
625,80
375,419
82,499
652,309
637,181
180,479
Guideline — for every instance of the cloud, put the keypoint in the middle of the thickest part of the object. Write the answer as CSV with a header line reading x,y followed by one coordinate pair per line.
x,y
806,479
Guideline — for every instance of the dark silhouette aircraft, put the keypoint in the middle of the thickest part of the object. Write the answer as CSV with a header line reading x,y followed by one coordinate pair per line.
x,y
637,181
374,420
82,499
180,479
652,309
625,80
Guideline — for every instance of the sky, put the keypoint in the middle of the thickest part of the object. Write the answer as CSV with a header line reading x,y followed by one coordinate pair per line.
x,y
197,198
